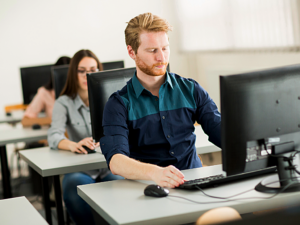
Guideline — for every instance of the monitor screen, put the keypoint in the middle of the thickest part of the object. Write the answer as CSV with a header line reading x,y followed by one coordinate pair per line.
x,y
32,78
101,85
59,74
113,65
59,77
260,111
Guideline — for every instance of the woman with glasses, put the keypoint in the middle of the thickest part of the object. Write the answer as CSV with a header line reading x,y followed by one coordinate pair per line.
x,y
71,113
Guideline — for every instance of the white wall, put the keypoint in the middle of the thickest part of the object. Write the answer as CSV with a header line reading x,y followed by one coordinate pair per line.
x,y
35,32
210,66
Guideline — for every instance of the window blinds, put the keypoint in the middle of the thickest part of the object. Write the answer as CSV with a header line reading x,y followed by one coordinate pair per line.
x,y
238,25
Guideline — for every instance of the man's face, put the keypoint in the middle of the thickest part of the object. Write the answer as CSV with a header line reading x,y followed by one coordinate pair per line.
x,y
153,53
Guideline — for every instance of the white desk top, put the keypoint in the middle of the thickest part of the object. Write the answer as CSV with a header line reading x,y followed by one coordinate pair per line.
x,y
19,211
49,162
13,118
16,116
20,134
123,201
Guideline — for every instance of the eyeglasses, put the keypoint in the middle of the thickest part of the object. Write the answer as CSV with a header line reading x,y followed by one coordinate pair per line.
x,y
83,73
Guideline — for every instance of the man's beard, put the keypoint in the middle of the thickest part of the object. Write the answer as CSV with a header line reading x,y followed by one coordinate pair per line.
x,y
151,70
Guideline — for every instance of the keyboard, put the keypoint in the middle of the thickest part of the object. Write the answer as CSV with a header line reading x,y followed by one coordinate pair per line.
x,y
219,179
203,182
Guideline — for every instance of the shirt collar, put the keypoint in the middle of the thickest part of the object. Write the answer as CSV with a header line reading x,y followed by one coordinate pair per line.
x,y
78,102
138,87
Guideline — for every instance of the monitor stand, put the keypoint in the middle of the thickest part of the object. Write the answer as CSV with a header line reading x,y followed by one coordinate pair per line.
x,y
286,179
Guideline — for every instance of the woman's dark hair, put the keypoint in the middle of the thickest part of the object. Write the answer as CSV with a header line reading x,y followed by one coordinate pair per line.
x,y
64,60
71,86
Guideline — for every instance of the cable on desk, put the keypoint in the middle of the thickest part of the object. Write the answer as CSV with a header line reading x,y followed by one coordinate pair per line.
x,y
227,199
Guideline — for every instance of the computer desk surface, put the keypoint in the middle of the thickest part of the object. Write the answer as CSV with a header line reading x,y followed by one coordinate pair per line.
x,y
19,211
123,201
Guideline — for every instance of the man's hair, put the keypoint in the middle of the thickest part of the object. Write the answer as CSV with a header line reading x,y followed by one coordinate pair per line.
x,y
144,22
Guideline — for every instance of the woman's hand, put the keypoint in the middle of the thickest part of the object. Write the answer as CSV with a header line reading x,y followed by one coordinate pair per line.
x,y
78,147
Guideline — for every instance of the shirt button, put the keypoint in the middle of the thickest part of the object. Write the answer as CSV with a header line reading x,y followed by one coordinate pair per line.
x,y
168,136
163,117
156,99
172,153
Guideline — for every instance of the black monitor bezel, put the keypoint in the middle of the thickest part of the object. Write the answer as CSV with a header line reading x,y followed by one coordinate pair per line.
x,y
238,108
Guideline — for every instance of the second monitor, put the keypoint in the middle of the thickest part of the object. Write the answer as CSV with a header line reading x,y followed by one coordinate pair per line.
x,y
59,74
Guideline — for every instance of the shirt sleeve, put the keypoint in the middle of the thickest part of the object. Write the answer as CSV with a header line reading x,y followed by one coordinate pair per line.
x,y
207,115
115,128
56,132
36,105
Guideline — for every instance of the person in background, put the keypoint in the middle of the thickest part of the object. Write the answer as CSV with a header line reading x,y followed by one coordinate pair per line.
x,y
71,112
149,125
43,100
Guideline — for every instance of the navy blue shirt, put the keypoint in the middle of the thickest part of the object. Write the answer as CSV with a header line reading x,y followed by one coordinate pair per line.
x,y
159,130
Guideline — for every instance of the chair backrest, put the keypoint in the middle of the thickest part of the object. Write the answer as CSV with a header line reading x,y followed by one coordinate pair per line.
x,y
101,85
59,74
32,78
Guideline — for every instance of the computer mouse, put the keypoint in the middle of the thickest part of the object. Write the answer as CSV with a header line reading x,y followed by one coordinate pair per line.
x,y
36,126
155,190
89,151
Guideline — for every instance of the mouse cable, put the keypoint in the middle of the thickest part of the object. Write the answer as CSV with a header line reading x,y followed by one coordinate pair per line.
x,y
227,199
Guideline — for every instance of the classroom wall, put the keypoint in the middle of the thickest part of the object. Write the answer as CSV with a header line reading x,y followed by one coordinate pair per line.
x,y
210,66
35,32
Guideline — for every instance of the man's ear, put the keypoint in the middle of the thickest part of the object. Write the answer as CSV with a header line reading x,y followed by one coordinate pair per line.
x,y
131,53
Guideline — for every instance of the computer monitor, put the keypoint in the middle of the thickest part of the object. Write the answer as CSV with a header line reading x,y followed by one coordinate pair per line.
x,y
59,74
59,77
113,65
32,78
101,85
260,119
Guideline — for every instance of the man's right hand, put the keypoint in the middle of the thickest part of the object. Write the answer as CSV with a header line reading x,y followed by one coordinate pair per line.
x,y
168,176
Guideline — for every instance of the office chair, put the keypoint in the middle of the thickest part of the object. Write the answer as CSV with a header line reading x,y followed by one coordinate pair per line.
x,y
100,87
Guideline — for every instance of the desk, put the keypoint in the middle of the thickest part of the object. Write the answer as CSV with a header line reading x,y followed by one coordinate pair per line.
x,y
124,202
15,117
52,163
19,211
14,135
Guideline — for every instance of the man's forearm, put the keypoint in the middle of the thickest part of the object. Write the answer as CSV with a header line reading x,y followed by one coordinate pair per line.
x,y
132,169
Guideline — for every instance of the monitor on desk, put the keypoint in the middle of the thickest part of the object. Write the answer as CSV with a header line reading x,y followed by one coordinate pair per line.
x,y
32,78
59,74
59,77
261,121
113,65
101,85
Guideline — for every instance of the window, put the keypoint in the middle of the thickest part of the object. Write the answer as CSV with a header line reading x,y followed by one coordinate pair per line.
x,y
238,25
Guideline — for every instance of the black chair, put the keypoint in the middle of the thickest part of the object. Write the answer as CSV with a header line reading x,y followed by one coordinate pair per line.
x,y
59,74
100,87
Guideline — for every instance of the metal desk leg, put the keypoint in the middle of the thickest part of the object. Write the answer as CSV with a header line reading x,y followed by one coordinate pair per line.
x,y
5,173
46,200
58,200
